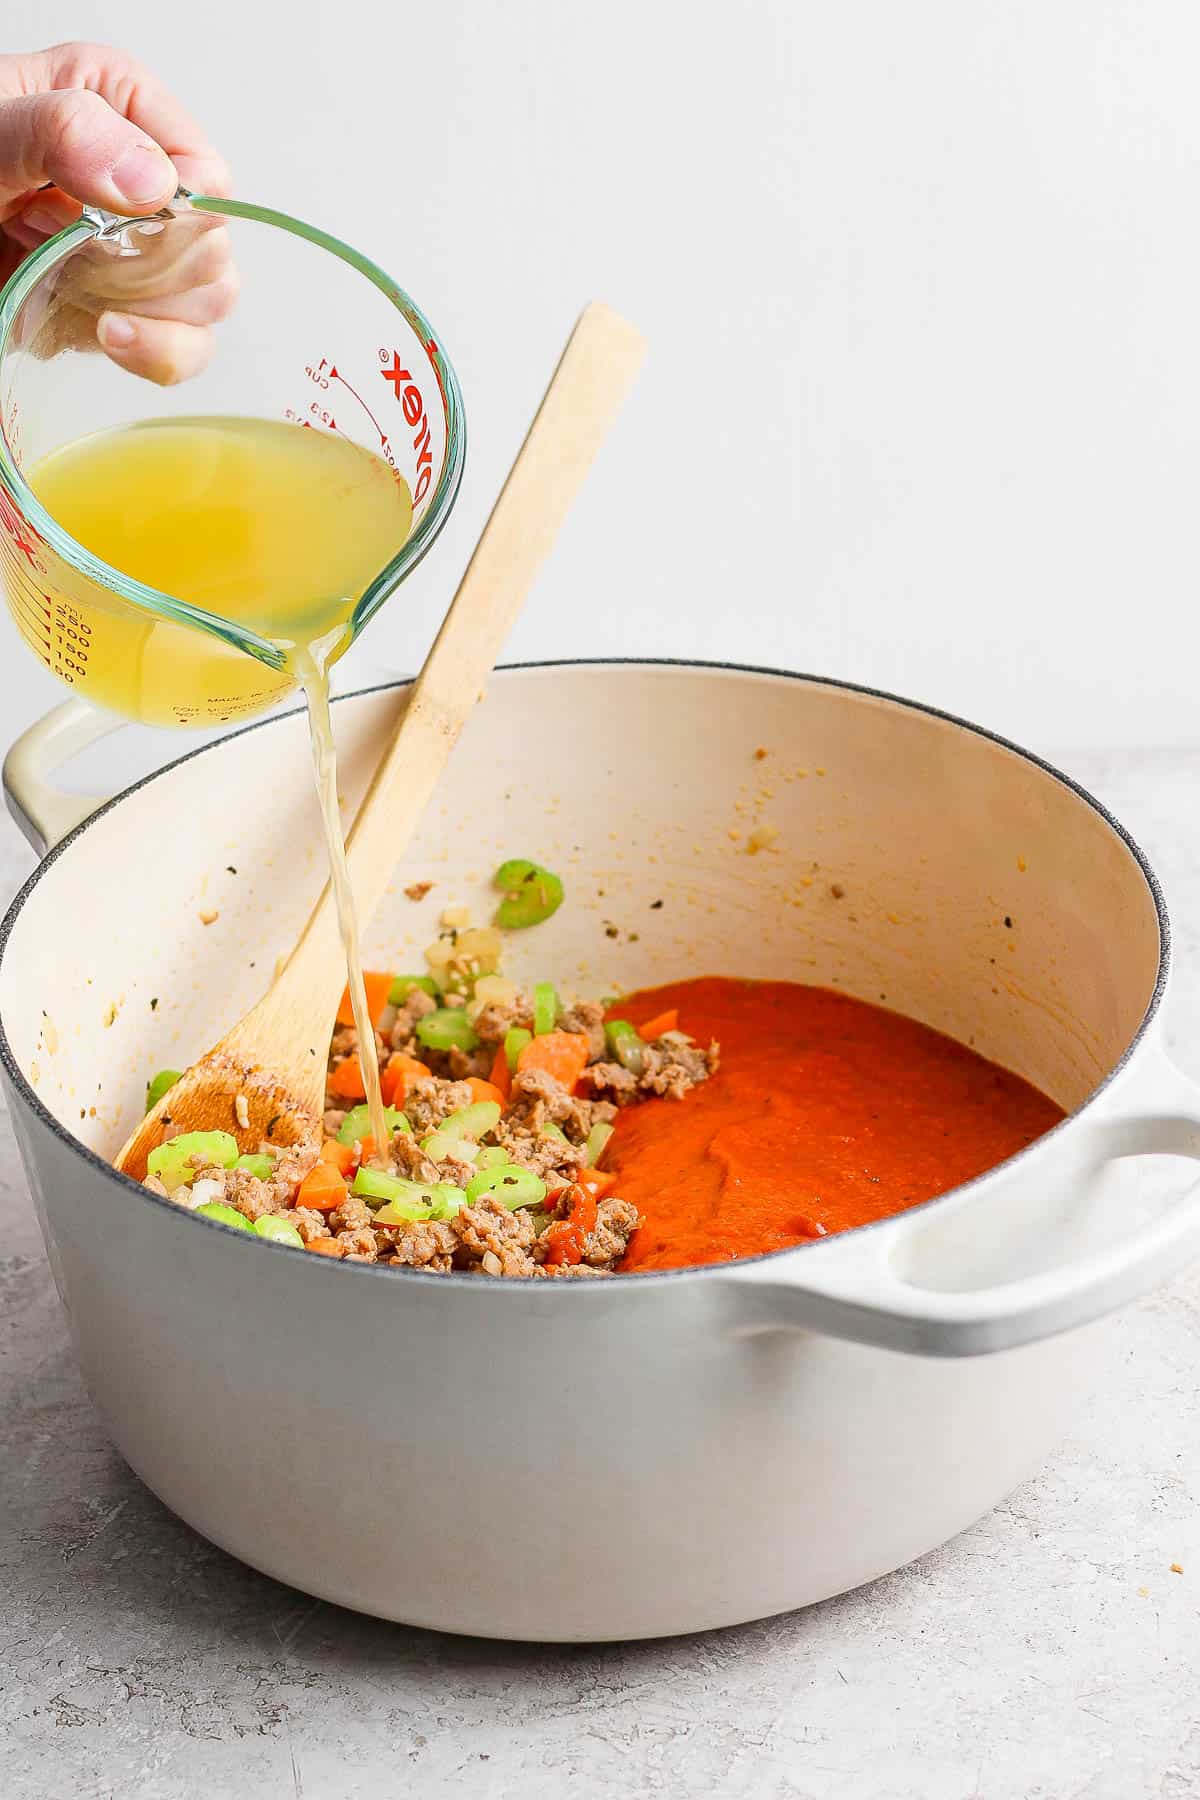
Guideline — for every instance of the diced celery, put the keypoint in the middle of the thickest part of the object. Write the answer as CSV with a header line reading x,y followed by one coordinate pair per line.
x,y
531,893
472,1121
173,1162
597,1143
626,1045
403,985
357,1123
411,1199
515,1041
545,1008
550,1129
491,1156
440,1144
224,1215
278,1231
447,1029
160,1084
403,1212
257,1163
508,1183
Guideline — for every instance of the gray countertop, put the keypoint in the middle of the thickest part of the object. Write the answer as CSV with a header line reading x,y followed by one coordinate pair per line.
x,y
1051,1653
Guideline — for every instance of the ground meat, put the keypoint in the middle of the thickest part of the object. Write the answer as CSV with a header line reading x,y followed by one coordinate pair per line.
x,y
308,1223
674,1065
417,1005
612,1079
587,1018
351,1215
251,1196
426,1245
538,1097
343,1043
461,1063
429,1102
488,1228
291,1166
456,1169
564,1271
409,1160
547,1156
616,1222
333,1121
359,1245
494,1022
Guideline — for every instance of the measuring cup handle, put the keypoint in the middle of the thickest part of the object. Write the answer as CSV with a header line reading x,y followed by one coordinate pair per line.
x,y
43,812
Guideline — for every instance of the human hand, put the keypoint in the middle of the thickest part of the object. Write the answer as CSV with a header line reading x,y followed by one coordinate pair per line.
x,y
81,124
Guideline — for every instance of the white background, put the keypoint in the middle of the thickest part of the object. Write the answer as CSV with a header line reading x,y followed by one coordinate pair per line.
x,y
922,288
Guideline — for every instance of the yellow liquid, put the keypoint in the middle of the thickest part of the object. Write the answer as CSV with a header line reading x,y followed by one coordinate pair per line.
x,y
269,525
272,526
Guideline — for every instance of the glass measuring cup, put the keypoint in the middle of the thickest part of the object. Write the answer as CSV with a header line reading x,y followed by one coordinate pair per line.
x,y
318,336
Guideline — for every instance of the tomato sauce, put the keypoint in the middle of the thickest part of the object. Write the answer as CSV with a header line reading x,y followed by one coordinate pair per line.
x,y
826,1113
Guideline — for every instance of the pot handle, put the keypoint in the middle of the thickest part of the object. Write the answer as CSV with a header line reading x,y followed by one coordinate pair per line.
x,y
854,1286
44,813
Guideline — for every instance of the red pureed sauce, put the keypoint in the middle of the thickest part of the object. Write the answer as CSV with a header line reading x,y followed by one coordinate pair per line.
x,y
826,1113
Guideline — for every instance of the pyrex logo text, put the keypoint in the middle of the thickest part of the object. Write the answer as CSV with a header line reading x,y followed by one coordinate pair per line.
x,y
409,396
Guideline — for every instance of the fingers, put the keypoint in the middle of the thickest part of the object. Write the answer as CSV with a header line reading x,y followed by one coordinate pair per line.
x,y
48,212
77,141
83,123
142,98
164,351
207,304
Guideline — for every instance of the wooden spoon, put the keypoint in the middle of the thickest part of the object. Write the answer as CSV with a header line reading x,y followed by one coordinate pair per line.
x,y
274,1059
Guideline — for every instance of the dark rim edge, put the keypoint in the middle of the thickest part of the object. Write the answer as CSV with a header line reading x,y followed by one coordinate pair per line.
x,y
694,1271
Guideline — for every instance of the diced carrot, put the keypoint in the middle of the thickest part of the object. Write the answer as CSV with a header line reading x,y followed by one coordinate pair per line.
x,y
398,1077
364,1150
485,1090
323,1188
595,1181
342,1156
661,1022
326,1246
501,1076
560,1053
378,987
346,1082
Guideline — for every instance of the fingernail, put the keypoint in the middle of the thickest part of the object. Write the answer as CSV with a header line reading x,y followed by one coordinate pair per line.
x,y
42,220
143,174
115,331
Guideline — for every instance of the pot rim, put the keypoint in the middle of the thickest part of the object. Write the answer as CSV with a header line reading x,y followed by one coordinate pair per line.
x,y
693,1271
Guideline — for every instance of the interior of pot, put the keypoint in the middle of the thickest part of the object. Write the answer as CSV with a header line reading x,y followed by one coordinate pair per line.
x,y
704,821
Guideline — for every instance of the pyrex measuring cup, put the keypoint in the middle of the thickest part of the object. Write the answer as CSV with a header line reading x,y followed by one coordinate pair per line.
x,y
319,336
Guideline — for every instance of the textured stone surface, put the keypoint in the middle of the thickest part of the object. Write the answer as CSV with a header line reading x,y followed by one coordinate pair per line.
x,y
1049,1654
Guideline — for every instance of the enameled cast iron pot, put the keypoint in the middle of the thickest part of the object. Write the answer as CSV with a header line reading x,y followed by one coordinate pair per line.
x,y
647,1454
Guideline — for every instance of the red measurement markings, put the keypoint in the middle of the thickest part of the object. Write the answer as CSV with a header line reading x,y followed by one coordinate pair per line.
x,y
336,375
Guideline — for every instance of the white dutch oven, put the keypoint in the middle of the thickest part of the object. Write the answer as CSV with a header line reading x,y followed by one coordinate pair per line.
x,y
647,1454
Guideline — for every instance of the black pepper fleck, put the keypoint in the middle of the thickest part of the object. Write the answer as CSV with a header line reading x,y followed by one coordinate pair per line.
x,y
1007,922
154,1004
656,906
230,868
611,931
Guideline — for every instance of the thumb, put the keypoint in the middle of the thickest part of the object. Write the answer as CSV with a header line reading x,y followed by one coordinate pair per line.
x,y
73,138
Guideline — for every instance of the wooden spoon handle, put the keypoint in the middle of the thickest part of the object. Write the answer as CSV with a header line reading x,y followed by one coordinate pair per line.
x,y
597,368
